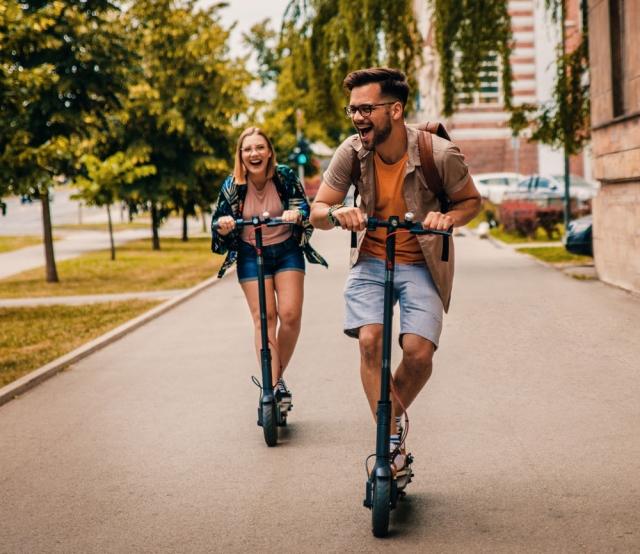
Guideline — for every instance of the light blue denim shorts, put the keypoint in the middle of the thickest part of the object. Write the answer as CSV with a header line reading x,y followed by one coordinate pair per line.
x,y
420,305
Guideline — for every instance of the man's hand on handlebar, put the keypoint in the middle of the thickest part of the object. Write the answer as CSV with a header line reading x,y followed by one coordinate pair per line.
x,y
438,221
226,224
350,218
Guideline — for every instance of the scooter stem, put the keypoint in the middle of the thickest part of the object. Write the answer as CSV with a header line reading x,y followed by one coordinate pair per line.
x,y
265,351
383,413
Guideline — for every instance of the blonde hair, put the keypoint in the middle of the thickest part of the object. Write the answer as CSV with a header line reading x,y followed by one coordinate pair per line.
x,y
239,170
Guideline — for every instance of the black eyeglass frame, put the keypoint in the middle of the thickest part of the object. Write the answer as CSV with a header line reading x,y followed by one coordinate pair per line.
x,y
365,109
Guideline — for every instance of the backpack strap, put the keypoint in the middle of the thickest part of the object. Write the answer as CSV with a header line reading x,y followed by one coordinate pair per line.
x,y
430,171
433,179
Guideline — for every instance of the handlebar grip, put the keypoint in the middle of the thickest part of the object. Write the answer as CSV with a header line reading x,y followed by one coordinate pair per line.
x,y
430,232
276,221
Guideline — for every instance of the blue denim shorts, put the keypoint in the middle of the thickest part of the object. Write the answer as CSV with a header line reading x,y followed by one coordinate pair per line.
x,y
420,304
283,256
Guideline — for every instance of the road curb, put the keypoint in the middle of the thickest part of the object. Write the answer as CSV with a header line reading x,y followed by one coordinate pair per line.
x,y
37,376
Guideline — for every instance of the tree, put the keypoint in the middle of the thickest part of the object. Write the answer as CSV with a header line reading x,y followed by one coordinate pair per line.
x,y
564,121
467,32
63,65
474,29
319,43
105,179
183,105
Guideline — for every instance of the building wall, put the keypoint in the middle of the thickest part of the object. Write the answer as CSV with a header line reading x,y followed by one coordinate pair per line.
x,y
616,149
482,130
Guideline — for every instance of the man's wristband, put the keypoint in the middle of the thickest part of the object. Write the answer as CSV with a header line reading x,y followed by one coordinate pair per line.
x,y
332,209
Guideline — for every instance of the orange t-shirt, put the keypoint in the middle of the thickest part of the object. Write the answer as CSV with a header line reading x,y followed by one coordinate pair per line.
x,y
390,201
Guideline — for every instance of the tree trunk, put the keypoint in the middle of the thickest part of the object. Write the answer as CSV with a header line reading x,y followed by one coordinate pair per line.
x,y
111,241
154,227
52,272
204,221
185,226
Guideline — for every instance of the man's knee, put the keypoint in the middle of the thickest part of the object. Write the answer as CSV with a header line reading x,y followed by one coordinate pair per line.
x,y
417,354
370,340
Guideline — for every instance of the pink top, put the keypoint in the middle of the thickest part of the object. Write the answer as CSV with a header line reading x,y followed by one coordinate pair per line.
x,y
256,203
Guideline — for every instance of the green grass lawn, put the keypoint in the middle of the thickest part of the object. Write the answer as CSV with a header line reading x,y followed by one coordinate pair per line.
x,y
136,268
31,337
9,243
514,238
555,255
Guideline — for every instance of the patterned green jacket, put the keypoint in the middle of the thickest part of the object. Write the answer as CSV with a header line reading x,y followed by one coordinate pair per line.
x,y
231,201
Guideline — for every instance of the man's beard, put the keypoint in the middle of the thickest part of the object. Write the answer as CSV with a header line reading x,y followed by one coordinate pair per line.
x,y
379,135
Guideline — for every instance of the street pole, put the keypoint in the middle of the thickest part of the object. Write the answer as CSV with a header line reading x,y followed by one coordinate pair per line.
x,y
567,198
299,119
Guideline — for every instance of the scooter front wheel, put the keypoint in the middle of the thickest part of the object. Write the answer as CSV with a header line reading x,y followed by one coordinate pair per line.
x,y
380,506
269,423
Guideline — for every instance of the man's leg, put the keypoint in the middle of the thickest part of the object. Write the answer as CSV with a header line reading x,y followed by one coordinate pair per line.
x,y
370,341
413,372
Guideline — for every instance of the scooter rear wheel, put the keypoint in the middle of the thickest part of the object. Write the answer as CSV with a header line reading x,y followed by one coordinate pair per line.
x,y
269,423
381,506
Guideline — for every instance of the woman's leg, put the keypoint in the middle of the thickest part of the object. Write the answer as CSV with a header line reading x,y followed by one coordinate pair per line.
x,y
250,289
290,292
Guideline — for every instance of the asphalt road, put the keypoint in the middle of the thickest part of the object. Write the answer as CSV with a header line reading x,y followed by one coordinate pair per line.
x,y
26,219
526,438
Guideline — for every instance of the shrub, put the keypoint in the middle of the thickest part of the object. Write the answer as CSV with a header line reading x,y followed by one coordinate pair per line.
x,y
519,216
549,218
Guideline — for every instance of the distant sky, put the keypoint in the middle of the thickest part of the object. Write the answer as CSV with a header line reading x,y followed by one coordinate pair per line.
x,y
247,13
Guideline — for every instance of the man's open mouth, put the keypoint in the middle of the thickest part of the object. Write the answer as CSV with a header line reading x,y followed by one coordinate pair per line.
x,y
365,131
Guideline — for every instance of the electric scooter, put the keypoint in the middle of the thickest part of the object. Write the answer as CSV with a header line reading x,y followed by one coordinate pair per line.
x,y
383,488
272,409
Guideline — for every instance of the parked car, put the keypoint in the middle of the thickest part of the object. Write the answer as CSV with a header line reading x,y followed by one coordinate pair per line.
x,y
550,188
579,236
579,187
492,186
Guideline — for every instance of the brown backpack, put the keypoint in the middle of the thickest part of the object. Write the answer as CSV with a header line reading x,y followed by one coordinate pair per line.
x,y
427,164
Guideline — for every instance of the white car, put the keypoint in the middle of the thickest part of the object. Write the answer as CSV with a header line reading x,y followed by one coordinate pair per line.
x,y
492,186
552,187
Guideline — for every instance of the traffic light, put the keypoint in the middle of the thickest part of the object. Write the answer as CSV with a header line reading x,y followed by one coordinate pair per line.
x,y
301,154
301,158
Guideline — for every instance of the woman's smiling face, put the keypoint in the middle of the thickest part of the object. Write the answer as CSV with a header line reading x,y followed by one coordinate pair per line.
x,y
255,153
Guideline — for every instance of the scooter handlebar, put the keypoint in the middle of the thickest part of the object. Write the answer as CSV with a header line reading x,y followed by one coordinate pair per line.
x,y
256,220
408,224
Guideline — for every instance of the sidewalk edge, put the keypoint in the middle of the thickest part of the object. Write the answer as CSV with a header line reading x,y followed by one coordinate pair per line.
x,y
37,376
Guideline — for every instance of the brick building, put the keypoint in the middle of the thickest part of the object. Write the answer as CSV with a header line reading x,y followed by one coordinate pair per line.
x,y
614,28
479,125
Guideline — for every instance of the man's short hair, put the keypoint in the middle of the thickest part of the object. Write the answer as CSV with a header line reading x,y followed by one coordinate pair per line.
x,y
392,81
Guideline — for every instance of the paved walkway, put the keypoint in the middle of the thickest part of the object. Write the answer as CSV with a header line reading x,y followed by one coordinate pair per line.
x,y
525,439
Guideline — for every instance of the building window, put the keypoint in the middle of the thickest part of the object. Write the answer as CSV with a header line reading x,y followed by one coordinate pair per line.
x,y
490,88
616,34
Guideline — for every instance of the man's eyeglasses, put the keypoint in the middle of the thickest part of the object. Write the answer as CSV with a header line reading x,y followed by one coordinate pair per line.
x,y
364,109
